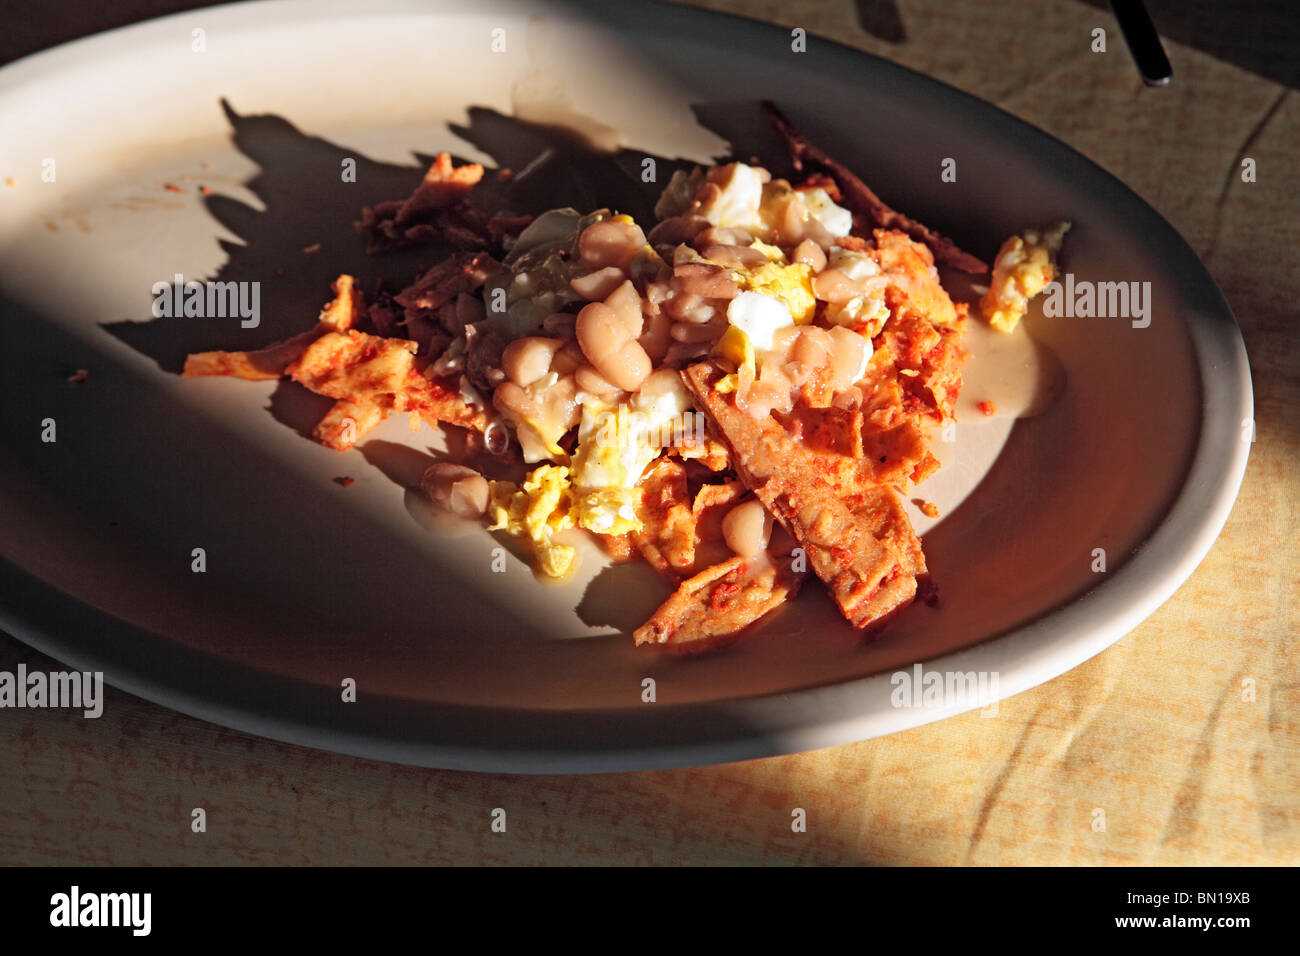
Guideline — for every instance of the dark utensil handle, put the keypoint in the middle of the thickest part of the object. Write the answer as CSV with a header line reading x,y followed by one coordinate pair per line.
x,y
1143,42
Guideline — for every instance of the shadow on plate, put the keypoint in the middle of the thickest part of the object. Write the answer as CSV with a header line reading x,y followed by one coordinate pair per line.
x,y
305,236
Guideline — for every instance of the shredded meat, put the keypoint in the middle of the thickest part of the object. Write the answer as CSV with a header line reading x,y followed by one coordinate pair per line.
x,y
439,211
459,272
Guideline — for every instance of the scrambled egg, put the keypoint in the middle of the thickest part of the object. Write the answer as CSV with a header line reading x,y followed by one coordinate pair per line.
x,y
855,265
791,283
615,446
776,294
537,510
1023,268
607,464
734,346
745,201
738,204
599,493
757,316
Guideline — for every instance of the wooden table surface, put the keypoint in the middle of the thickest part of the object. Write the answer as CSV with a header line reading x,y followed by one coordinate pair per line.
x,y
1160,732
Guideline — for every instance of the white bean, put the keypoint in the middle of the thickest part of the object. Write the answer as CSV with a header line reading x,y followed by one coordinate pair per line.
x,y
612,347
700,331
747,528
595,286
610,243
526,360
811,254
458,489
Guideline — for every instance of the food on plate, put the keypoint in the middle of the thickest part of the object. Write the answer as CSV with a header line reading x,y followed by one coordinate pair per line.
x,y
852,530
1024,266
868,209
738,391
712,608
338,315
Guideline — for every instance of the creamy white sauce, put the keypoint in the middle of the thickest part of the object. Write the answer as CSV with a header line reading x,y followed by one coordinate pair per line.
x,y
1018,375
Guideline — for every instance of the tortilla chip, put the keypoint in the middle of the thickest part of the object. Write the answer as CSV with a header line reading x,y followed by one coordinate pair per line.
x,y
711,609
617,546
897,456
346,423
370,370
710,453
667,534
338,315
712,502
854,533
915,371
346,308
439,399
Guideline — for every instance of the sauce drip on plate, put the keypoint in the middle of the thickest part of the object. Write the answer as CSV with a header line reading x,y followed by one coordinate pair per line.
x,y
1016,375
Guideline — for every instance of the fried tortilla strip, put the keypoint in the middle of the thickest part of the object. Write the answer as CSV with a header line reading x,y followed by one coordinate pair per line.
x,y
617,546
864,203
667,534
712,608
356,367
443,185
346,423
710,453
439,400
914,374
339,314
854,532
367,369
897,456
258,365
914,282
348,305
712,502
858,451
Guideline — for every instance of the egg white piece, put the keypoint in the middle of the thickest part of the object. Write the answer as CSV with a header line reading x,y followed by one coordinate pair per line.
x,y
742,195
854,265
759,316
836,220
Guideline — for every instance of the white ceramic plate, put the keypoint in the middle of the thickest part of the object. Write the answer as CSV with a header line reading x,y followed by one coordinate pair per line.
x,y
308,583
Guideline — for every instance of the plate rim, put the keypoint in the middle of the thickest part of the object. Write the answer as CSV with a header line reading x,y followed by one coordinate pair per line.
x,y
456,737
